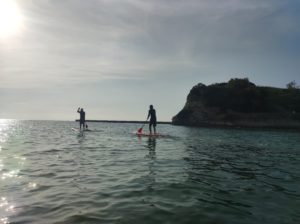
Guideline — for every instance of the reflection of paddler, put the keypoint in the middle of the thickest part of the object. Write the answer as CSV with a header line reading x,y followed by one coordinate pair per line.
x,y
152,156
151,145
152,115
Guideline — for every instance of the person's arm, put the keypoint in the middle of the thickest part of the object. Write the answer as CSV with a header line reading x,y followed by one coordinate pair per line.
x,y
148,115
78,110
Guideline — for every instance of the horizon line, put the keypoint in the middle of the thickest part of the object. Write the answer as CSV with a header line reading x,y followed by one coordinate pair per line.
x,y
126,121
92,120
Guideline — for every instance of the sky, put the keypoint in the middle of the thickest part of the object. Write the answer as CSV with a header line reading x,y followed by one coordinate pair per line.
x,y
116,57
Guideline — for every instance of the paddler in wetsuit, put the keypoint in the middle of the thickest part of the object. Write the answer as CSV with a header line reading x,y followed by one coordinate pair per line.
x,y
152,115
82,117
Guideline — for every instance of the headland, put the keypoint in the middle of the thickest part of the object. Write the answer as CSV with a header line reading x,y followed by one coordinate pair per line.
x,y
240,103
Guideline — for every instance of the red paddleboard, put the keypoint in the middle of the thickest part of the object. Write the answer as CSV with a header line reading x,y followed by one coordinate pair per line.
x,y
142,134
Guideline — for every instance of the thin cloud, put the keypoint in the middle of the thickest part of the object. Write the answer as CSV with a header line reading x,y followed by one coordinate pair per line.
x,y
65,44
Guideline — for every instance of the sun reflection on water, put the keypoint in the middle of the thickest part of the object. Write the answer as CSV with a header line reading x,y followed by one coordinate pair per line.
x,y
10,165
1,165
5,208
10,174
32,185
4,220
5,125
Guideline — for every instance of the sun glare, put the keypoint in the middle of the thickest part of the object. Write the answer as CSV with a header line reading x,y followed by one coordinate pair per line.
x,y
10,18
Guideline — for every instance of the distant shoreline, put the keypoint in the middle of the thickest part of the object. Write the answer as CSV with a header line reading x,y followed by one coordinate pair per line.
x,y
123,121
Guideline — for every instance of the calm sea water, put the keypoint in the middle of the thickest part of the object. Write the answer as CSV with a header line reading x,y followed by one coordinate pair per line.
x,y
50,174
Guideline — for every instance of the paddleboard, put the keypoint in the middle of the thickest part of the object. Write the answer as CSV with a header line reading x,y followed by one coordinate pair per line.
x,y
78,130
141,134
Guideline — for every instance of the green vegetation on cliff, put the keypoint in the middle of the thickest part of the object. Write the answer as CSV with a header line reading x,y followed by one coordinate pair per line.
x,y
240,103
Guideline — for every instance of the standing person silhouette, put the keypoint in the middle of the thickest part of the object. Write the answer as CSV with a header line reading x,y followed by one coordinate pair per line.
x,y
152,115
82,118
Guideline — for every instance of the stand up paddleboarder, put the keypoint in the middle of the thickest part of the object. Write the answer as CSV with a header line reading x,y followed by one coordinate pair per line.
x,y
152,115
82,118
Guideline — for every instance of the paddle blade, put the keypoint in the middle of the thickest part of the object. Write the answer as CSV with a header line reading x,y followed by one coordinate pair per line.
x,y
140,130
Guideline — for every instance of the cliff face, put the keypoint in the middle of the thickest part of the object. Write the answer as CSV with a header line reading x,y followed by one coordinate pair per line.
x,y
240,103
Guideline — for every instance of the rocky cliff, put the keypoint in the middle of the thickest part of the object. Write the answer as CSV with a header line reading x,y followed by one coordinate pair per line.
x,y
240,103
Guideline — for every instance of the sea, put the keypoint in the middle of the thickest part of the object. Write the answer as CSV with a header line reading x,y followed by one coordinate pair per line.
x,y
50,173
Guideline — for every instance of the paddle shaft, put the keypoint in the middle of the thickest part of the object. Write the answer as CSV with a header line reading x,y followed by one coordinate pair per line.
x,y
141,128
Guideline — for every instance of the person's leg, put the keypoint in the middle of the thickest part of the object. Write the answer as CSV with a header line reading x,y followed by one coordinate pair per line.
x,y
150,124
154,127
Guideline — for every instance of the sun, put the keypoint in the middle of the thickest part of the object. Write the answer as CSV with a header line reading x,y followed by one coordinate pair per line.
x,y
10,18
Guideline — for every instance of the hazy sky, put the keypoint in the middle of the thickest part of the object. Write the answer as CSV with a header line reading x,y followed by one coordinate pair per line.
x,y
115,57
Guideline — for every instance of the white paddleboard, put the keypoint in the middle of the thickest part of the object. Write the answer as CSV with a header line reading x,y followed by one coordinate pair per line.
x,y
77,130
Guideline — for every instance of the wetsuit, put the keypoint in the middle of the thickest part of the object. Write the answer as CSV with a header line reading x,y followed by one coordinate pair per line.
x,y
82,118
152,115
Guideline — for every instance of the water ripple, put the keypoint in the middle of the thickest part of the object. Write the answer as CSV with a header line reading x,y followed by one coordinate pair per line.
x,y
52,175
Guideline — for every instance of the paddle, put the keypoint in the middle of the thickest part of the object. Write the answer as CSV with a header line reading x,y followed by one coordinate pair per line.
x,y
141,128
